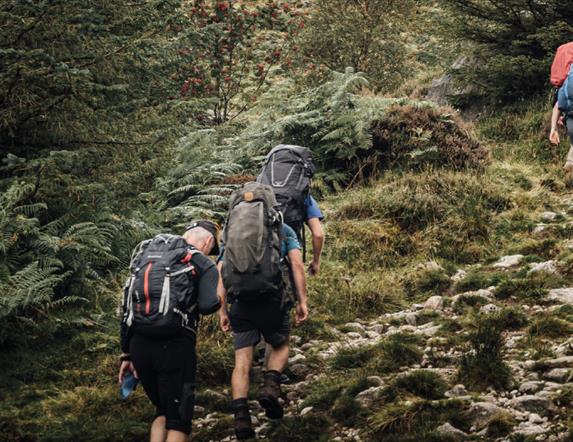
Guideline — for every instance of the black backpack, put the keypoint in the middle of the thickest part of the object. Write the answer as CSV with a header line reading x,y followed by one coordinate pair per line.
x,y
160,293
288,169
252,237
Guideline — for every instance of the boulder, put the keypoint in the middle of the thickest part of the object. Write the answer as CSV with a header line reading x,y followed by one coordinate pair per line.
x,y
434,303
480,414
559,375
564,296
548,267
508,262
548,216
457,391
530,387
489,309
450,432
532,404
367,397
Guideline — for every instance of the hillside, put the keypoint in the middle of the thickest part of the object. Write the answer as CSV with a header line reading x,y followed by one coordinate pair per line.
x,y
443,309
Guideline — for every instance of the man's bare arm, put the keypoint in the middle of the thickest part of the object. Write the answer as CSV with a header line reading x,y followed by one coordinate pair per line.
x,y
317,243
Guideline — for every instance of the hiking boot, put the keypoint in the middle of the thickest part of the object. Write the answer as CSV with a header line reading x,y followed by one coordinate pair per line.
x,y
285,380
243,426
269,397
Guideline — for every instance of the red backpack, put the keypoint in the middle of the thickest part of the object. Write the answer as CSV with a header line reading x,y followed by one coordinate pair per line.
x,y
561,64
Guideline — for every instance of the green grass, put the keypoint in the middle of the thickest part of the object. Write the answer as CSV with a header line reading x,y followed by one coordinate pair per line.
x,y
422,383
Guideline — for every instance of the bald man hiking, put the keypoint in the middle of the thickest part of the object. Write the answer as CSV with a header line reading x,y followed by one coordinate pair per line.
x,y
172,282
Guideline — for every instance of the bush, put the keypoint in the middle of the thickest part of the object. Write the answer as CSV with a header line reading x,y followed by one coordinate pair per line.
x,y
413,136
422,383
550,327
482,365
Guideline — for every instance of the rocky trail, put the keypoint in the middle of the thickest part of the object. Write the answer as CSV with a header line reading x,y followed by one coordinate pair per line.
x,y
533,407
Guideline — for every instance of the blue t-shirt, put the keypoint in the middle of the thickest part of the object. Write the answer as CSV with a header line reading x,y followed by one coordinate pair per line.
x,y
312,209
289,242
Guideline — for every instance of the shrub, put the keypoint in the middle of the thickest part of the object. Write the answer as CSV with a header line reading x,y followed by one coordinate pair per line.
x,y
349,357
422,383
549,327
482,365
396,351
413,136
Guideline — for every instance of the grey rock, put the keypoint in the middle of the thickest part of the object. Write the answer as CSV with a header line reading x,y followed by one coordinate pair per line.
x,y
305,411
529,429
411,318
375,381
457,391
564,296
354,326
296,358
548,267
548,216
299,370
533,404
559,375
354,335
434,303
489,309
480,413
368,396
449,431
459,275
530,387
508,262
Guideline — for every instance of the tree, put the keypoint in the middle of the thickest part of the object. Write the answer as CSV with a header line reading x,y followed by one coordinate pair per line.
x,y
363,34
234,46
514,43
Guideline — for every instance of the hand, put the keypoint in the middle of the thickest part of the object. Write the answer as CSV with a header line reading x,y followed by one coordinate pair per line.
x,y
301,313
314,268
124,368
554,136
561,121
224,322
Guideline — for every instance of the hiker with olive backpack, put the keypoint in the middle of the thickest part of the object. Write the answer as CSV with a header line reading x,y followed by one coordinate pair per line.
x,y
562,80
255,248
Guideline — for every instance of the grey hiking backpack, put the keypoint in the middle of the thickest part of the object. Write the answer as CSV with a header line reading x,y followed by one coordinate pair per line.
x,y
252,237
288,169
160,295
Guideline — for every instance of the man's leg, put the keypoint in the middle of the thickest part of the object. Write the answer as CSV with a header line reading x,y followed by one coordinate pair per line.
x,y
278,358
240,391
158,432
240,378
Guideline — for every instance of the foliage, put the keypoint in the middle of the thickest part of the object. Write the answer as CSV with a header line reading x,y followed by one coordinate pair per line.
x,y
235,45
514,44
365,35
482,366
422,383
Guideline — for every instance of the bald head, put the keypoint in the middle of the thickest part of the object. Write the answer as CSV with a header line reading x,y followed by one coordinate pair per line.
x,y
200,238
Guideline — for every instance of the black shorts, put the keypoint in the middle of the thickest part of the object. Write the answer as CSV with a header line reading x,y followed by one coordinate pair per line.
x,y
250,321
166,368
